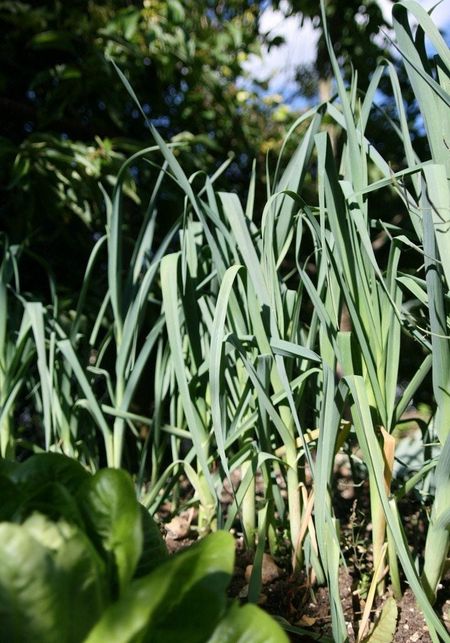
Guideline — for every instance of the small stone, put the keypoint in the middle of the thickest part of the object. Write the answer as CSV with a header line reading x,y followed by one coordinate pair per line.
x,y
177,528
306,621
270,570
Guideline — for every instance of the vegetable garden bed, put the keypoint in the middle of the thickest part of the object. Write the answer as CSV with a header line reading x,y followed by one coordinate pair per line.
x,y
254,369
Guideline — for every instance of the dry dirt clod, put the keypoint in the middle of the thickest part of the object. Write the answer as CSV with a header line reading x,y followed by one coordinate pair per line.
x,y
270,570
306,621
178,528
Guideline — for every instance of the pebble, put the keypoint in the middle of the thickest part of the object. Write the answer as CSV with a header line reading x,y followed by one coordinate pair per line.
x,y
270,570
178,528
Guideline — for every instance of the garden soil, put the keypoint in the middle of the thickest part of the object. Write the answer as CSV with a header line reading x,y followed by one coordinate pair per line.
x,y
304,607
289,598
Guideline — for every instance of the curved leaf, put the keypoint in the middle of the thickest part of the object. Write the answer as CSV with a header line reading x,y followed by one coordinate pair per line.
x,y
11,498
7,467
28,593
79,575
50,467
54,500
248,624
154,550
182,600
384,629
113,519
51,582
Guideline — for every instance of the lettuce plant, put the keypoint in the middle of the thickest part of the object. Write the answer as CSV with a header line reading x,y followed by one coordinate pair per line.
x,y
82,560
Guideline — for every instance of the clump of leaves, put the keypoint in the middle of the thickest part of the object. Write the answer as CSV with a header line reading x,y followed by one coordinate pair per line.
x,y
82,560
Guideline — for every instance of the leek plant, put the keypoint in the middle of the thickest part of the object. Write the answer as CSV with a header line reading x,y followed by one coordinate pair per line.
x,y
118,333
375,302
249,332
243,366
247,362
76,357
431,84
16,347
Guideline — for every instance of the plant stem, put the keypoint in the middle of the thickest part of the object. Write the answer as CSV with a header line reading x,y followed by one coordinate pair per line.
x,y
378,531
249,509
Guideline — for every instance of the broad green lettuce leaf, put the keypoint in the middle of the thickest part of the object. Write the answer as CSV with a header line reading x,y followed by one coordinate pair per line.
x,y
54,500
154,550
49,467
182,600
28,588
45,482
48,533
248,624
113,520
52,582
10,498
85,582
7,467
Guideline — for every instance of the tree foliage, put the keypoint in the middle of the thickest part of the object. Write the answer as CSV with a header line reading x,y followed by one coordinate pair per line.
x,y
355,28
67,122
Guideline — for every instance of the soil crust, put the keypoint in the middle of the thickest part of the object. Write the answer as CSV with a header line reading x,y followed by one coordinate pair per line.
x,y
305,608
